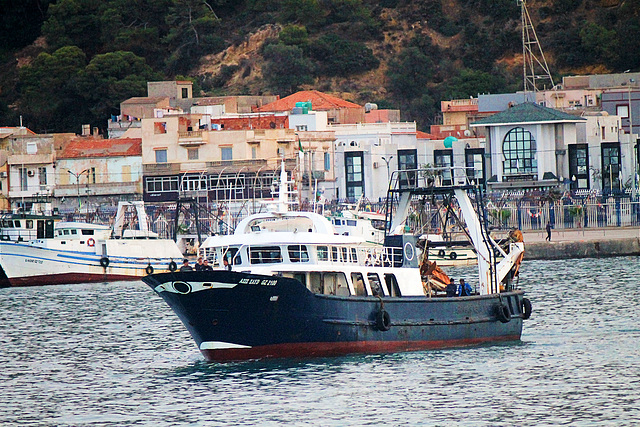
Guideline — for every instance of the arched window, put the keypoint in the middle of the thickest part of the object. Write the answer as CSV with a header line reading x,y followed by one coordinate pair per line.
x,y
519,151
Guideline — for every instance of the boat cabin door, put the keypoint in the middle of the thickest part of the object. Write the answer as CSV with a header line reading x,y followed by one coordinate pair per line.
x,y
44,229
103,249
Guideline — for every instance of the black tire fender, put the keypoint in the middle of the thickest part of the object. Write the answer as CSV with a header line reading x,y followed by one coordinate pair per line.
x,y
441,253
149,269
104,262
173,266
383,320
453,255
503,313
526,308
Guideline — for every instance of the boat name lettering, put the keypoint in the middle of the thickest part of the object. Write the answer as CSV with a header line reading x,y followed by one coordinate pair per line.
x,y
263,282
35,261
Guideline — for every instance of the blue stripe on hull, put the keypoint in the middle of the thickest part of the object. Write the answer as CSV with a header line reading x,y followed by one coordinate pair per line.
x,y
287,320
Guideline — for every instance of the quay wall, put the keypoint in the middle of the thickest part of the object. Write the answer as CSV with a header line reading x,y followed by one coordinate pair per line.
x,y
595,248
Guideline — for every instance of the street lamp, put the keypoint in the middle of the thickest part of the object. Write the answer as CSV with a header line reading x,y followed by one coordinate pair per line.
x,y
77,175
387,162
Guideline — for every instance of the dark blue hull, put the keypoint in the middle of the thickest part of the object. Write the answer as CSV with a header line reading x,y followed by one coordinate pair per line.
x,y
265,316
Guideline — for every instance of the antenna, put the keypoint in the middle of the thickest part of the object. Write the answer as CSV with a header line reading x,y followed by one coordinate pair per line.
x,y
534,63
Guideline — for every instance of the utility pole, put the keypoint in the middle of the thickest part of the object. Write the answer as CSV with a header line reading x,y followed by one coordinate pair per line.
x,y
77,175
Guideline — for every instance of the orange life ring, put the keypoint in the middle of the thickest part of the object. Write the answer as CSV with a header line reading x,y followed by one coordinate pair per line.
x,y
91,242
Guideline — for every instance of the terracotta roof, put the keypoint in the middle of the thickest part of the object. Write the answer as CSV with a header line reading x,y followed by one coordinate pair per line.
x,y
527,112
319,102
144,100
90,147
423,135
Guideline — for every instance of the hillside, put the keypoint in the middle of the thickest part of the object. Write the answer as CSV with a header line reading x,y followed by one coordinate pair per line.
x,y
69,62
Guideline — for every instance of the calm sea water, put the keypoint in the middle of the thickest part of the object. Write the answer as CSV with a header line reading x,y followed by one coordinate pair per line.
x,y
115,355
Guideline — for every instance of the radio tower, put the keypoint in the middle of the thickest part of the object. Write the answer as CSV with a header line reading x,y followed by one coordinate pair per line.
x,y
534,64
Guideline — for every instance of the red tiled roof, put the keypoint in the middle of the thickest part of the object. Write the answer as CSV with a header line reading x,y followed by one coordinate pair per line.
x,y
89,147
423,135
319,102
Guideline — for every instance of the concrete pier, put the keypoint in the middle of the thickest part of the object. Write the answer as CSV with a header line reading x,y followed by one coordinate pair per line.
x,y
582,243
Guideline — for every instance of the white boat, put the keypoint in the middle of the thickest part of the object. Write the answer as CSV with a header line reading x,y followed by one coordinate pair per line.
x,y
295,288
448,253
368,225
81,252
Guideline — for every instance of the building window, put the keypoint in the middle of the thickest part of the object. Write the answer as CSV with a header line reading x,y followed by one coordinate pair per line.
x,y
91,177
443,160
579,166
327,161
474,161
519,151
192,153
162,184
185,93
42,175
611,166
301,128
355,174
159,127
23,179
161,156
226,153
407,160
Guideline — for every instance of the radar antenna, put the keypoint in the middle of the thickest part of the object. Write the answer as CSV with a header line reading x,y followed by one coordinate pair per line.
x,y
535,66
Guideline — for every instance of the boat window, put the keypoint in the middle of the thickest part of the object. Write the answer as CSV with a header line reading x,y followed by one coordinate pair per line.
x,y
335,284
374,284
235,257
323,253
87,232
16,223
74,231
65,232
334,254
298,253
351,223
265,254
358,284
344,254
29,224
354,255
315,282
392,285
301,277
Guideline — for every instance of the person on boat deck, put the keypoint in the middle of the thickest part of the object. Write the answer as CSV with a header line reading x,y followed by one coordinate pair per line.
x,y
226,264
451,289
206,266
199,265
186,266
464,289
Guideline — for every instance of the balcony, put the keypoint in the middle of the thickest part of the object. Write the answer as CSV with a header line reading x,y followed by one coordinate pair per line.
x,y
190,137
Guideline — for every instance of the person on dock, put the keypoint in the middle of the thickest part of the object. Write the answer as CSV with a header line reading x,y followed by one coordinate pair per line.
x,y
464,289
186,266
206,266
548,239
199,265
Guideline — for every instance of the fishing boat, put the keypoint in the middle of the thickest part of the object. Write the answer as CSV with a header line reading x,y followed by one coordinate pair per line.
x,y
20,226
82,252
295,288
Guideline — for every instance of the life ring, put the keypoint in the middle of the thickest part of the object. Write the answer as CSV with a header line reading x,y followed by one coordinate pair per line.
x,y
149,269
383,320
173,266
441,253
503,313
453,255
104,262
91,242
526,308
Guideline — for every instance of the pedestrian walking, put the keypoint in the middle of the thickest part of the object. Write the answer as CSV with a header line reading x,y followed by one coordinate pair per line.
x,y
548,239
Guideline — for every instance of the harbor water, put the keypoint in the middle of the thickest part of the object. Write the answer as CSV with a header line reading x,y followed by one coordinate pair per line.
x,y
115,355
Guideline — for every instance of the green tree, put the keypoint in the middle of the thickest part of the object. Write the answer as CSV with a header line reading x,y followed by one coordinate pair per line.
x,y
409,73
294,35
49,92
600,43
472,82
339,57
74,23
112,78
285,68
